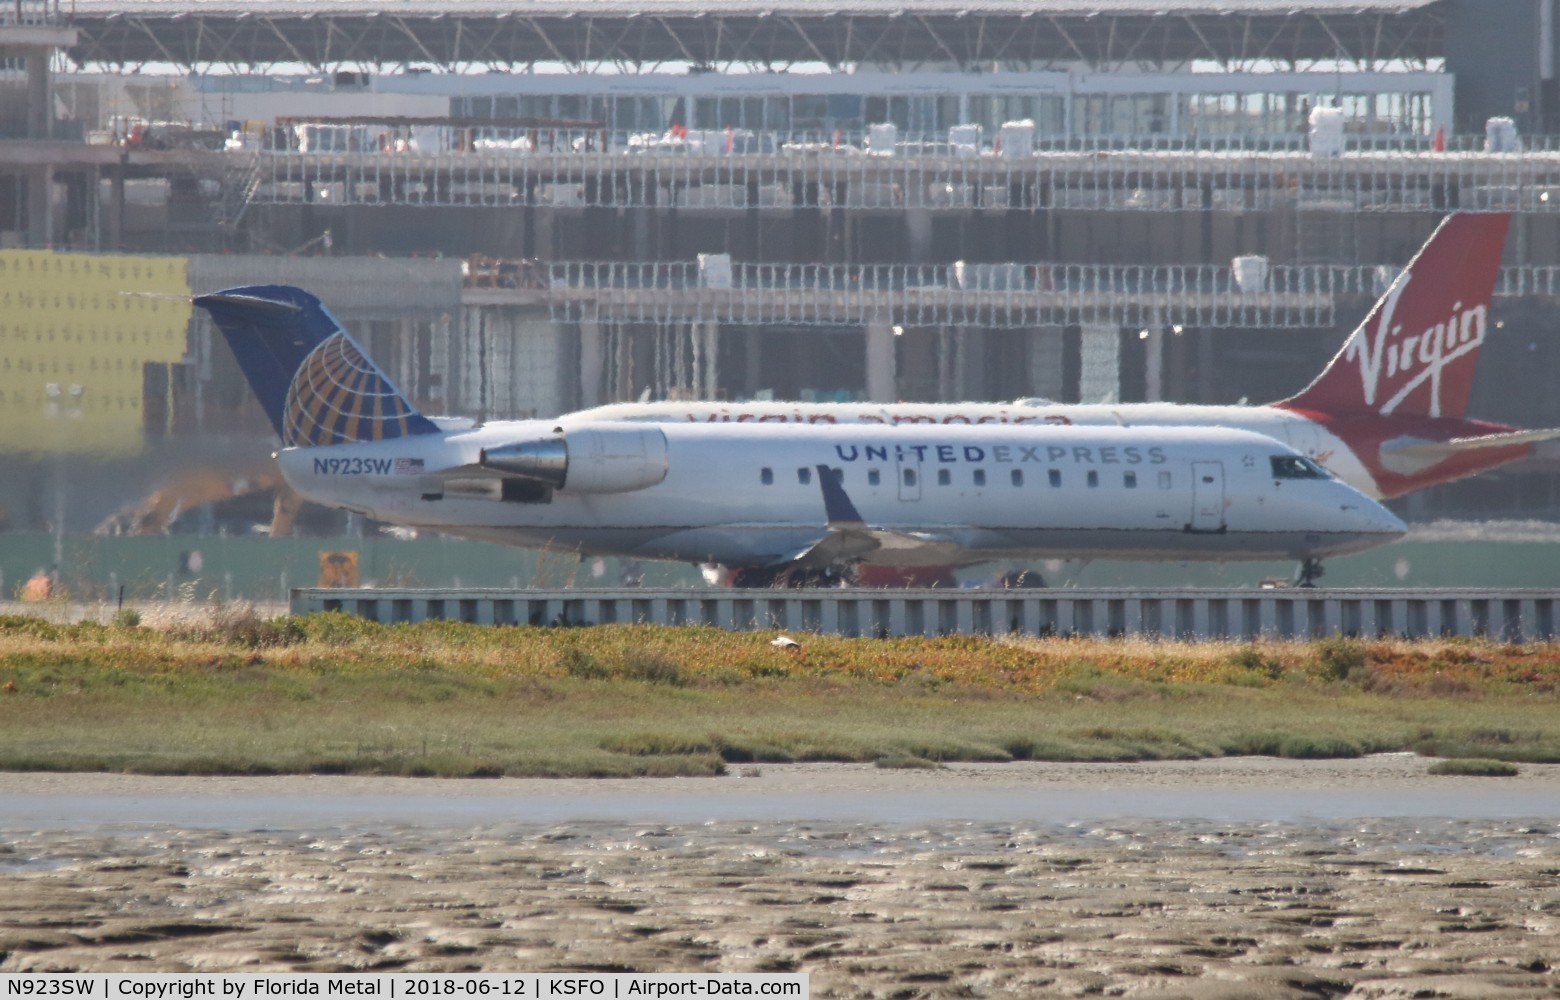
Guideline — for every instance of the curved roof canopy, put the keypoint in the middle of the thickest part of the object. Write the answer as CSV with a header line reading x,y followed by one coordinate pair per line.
x,y
449,34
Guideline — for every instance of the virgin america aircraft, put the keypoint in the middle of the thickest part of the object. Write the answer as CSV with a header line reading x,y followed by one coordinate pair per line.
x,y
1387,414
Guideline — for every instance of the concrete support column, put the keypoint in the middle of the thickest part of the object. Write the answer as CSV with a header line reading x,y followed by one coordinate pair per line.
x,y
918,234
882,370
752,354
40,206
1154,364
1100,357
593,357
969,365
1205,353
947,350
700,361
40,111
1046,346
711,351
116,203
623,385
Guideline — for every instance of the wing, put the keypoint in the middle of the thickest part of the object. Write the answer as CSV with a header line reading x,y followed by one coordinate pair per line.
x,y
847,538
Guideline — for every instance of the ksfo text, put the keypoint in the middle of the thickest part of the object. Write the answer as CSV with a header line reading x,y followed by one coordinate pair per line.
x,y
401,985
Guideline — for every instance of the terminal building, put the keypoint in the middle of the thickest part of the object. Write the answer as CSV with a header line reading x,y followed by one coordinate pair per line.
x,y
528,210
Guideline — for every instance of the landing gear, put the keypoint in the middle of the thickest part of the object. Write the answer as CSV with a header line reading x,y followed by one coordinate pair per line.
x,y
754,578
750,578
1310,570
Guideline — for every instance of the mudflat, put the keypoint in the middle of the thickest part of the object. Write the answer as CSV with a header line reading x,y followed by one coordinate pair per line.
x,y
896,896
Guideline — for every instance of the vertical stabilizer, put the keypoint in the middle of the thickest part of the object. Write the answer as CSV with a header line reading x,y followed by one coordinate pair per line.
x,y
1414,354
315,383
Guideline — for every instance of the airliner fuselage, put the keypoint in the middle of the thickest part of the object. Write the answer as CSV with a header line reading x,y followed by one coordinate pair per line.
x,y
750,495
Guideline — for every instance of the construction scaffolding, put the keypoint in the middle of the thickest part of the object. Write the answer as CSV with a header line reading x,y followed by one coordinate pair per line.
x,y
921,175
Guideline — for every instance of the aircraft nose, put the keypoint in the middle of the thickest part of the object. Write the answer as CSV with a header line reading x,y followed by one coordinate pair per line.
x,y
1381,520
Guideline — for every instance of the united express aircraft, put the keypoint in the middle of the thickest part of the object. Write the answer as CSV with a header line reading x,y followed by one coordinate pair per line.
x,y
1387,415
776,502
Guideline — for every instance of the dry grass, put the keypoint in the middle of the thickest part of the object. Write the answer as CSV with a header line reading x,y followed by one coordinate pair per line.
x,y
233,691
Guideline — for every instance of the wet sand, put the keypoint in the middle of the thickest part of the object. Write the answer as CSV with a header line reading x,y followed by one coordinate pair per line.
x,y
1438,898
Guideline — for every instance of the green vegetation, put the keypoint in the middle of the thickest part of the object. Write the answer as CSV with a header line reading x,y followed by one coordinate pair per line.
x,y
1477,767
238,694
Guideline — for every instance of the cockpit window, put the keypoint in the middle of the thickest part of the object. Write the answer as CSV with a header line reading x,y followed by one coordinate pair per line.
x,y
1297,467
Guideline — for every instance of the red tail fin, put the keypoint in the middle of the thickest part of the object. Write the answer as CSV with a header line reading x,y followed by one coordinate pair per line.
x,y
1415,352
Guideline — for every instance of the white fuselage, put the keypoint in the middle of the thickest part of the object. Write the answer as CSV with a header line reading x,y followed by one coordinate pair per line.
x,y
749,495
1294,429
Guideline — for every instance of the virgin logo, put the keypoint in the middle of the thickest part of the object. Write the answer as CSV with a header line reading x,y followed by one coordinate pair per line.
x,y
1392,363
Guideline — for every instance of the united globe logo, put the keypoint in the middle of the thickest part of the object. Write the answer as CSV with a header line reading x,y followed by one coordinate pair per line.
x,y
337,396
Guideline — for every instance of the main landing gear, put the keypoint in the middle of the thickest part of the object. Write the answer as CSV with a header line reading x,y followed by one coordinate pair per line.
x,y
1310,571
764,577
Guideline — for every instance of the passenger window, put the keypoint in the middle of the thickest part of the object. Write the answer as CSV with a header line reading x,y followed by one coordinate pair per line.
x,y
1056,477
1164,480
1129,480
873,477
1018,477
909,477
944,477
1094,479
766,476
980,477
804,476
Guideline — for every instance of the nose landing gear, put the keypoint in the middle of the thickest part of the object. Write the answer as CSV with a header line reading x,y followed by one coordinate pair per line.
x,y
1310,571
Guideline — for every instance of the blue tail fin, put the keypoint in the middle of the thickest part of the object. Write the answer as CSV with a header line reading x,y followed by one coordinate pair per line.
x,y
315,383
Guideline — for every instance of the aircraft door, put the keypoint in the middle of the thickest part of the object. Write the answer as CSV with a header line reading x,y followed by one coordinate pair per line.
x,y
1207,496
909,470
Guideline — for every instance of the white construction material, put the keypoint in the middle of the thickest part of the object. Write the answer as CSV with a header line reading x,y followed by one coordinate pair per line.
x,y
1251,272
881,139
965,140
1016,140
715,270
1326,133
1500,136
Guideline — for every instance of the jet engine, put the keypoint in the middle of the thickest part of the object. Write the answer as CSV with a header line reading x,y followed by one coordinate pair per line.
x,y
586,459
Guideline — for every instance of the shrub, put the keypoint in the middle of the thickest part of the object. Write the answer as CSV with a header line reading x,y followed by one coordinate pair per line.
x,y
1479,767
1340,657
127,618
904,761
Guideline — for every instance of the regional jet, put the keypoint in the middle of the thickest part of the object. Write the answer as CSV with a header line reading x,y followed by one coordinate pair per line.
x,y
777,503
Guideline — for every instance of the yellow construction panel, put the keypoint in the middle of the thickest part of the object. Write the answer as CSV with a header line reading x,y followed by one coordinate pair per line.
x,y
87,321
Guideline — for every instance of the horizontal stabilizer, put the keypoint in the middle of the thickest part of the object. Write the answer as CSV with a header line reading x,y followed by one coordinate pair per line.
x,y
1409,455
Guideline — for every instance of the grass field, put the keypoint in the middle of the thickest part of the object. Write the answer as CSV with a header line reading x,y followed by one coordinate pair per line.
x,y
238,694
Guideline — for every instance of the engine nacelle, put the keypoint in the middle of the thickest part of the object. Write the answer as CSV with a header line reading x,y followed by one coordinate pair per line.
x,y
586,459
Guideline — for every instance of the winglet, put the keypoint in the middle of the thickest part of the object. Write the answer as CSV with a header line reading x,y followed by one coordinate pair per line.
x,y
836,505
